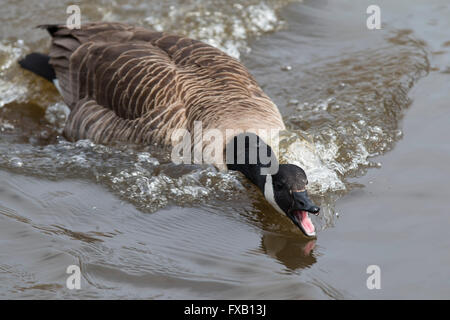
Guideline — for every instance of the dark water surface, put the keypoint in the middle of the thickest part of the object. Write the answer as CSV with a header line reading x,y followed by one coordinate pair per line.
x,y
367,112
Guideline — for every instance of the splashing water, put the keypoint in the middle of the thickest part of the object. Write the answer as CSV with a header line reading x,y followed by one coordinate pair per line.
x,y
228,29
11,89
355,113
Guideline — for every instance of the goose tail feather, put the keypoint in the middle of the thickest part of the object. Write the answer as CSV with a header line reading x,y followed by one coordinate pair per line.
x,y
38,63
51,28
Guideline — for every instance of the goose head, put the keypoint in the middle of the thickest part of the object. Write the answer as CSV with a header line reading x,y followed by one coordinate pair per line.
x,y
284,188
286,192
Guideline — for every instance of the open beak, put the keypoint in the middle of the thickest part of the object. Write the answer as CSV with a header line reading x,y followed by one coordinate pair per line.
x,y
300,210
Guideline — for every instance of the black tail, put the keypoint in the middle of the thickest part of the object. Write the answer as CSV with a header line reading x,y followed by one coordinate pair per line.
x,y
51,28
39,64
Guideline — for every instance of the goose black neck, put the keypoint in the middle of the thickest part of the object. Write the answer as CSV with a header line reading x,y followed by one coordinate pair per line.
x,y
250,155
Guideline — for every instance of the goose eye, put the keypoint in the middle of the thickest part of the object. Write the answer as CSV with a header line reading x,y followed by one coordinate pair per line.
x,y
279,185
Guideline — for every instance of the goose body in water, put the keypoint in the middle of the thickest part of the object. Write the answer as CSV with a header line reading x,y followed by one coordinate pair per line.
x,y
127,83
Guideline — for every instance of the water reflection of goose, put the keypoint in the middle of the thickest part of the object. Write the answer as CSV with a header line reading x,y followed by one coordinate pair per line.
x,y
294,253
280,239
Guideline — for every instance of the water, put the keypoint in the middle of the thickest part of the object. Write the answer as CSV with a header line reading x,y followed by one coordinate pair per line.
x,y
142,227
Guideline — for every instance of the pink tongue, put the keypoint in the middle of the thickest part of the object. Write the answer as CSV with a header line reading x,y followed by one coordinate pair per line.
x,y
307,223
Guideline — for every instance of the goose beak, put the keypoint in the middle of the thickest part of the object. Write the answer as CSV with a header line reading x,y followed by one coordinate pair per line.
x,y
299,213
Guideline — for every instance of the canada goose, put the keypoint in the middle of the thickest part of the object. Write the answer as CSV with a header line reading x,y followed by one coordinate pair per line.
x,y
131,84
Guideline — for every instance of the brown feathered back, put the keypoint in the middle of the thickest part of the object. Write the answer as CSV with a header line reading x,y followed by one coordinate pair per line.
x,y
131,84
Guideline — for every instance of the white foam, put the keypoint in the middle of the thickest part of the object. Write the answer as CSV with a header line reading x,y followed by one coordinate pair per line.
x,y
297,150
228,29
57,114
11,88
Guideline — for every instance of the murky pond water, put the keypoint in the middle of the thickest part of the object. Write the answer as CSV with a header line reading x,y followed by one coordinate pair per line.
x,y
142,227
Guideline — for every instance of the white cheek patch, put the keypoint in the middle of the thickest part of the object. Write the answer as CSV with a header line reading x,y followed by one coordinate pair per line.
x,y
56,83
269,194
